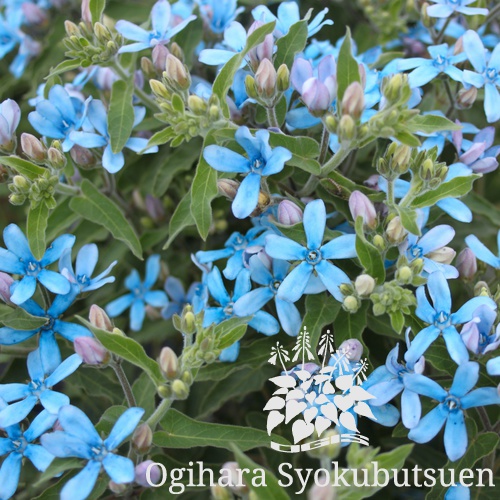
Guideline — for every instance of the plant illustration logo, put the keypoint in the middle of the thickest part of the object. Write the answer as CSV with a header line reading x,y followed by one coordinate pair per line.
x,y
312,398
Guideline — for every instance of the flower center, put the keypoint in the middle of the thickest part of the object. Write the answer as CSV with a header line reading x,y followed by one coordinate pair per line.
x,y
37,387
83,279
442,320
239,242
20,444
49,325
33,268
228,310
416,251
440,62
99,453
257,165
491,74
313,257
275,284
452,403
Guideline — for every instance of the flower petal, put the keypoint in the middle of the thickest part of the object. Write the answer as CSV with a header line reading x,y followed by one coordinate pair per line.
x,y
332,277
123,427
314,223
293,286
342,247
225,160
77,424
283,248
80,486
429,426
247,197
9,475
455,435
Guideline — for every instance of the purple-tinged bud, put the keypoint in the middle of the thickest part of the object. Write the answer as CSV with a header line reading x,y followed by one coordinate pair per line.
x,y
364,284
33,14
86,15
466,264
262,51
99,318
466,97
83,157
91,351
322,489
231,470
169,363
10,114
316,96
361,206
5,283
154,208
352,348
142,438
265,79
228,188
177,73
159,57
56,159
353,102
147,470
289,213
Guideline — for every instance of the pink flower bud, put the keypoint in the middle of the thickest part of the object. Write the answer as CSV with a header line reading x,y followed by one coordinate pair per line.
x,y
169,363
466,264
353,101
289,213
5,283
159,57
33,148
466,97
154,208
361,206
262,51
99,318
86,16
82,156
265,78
141,473
142,438
10,114
352,348
228,188
91,351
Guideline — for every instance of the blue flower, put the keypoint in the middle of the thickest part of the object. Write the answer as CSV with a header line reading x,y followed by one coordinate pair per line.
x,y
262,161
178,297
457,492
445,8
18,259
493,366
450,410
288,15
476,334
441,320
59,115
19,444
98,117
80,439
39,390
313,257
261,321
161,33
235,39
488,73
428,247
442,61
481,252
140,294
219,14
86,260
49,350
271,279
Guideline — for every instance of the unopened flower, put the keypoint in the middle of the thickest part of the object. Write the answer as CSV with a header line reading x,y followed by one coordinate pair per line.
x,y
289,213
91,351
361,206
466,264
10,114
147,470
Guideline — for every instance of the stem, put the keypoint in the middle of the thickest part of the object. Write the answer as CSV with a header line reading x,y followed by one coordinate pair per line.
x,y
484,418
272,118
323,151
493,13
390,192
122,378
45,297
443,29
325,463
335,160
158,414
147,100
309,186
450,96
67,189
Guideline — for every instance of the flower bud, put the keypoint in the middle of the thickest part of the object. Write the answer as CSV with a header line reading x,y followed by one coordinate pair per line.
x,y
177,73
56,158
228,188
265,79
99,318
169,363
154,208
404,275
283,78
427,170
347,128
147,67
351,304
142,476
322,490
220,493
352,348
395,230
289,213
86,15
197,105
71,29
232,471
251,87
188,323
481,289
159,89
466,97
443,255
361,206
21,183
331,123
393,86
159,57
364,285
91,351
142,438
379,242
466,264
117,488
33,148
164,391
83,157
179,389
5,283
401,158
353,101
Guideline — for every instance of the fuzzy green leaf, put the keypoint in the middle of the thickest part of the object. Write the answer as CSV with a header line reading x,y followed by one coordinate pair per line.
x,y
409,219
36,227
121,114
19,319
23,167
181,219
430,123
368,254
347,67
459,186
96,9
291,44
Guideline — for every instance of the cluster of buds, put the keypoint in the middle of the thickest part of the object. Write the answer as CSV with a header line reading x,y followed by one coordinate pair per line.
x,y
409,273
92,45
268,85
392,298
396,88
395,161
355,292
40,190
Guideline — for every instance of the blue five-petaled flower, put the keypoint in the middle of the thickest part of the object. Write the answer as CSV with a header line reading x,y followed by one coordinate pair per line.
x,y
80,439
262,161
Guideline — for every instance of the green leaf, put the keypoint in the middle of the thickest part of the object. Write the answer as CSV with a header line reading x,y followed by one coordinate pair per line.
x,y
430,123
321,310
161,137
96,207
351,326
144,392
230,331
63,67
36,227
397,321
347,67
96,9
19,319
121,114
301,146
481,206
409,219
181,219
109,418
368,254
184,432
225,77
57,466
264,490
291,44
455,188
203,191
407,138
127,349
23,167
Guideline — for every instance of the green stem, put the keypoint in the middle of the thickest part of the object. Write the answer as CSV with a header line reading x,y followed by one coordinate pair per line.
x,y
443,29
493,13
309,186
147,100
390,192
335,160
323,150
45,297
272,118
159,413
450,97
122,378
67,189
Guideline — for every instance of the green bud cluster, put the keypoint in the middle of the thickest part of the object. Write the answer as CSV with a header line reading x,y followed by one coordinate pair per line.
x,y
42,190
392,298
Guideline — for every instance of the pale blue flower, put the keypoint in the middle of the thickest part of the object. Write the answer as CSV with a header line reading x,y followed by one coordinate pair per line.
x,y
178,296
476,334
445,8
219,14
482,252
